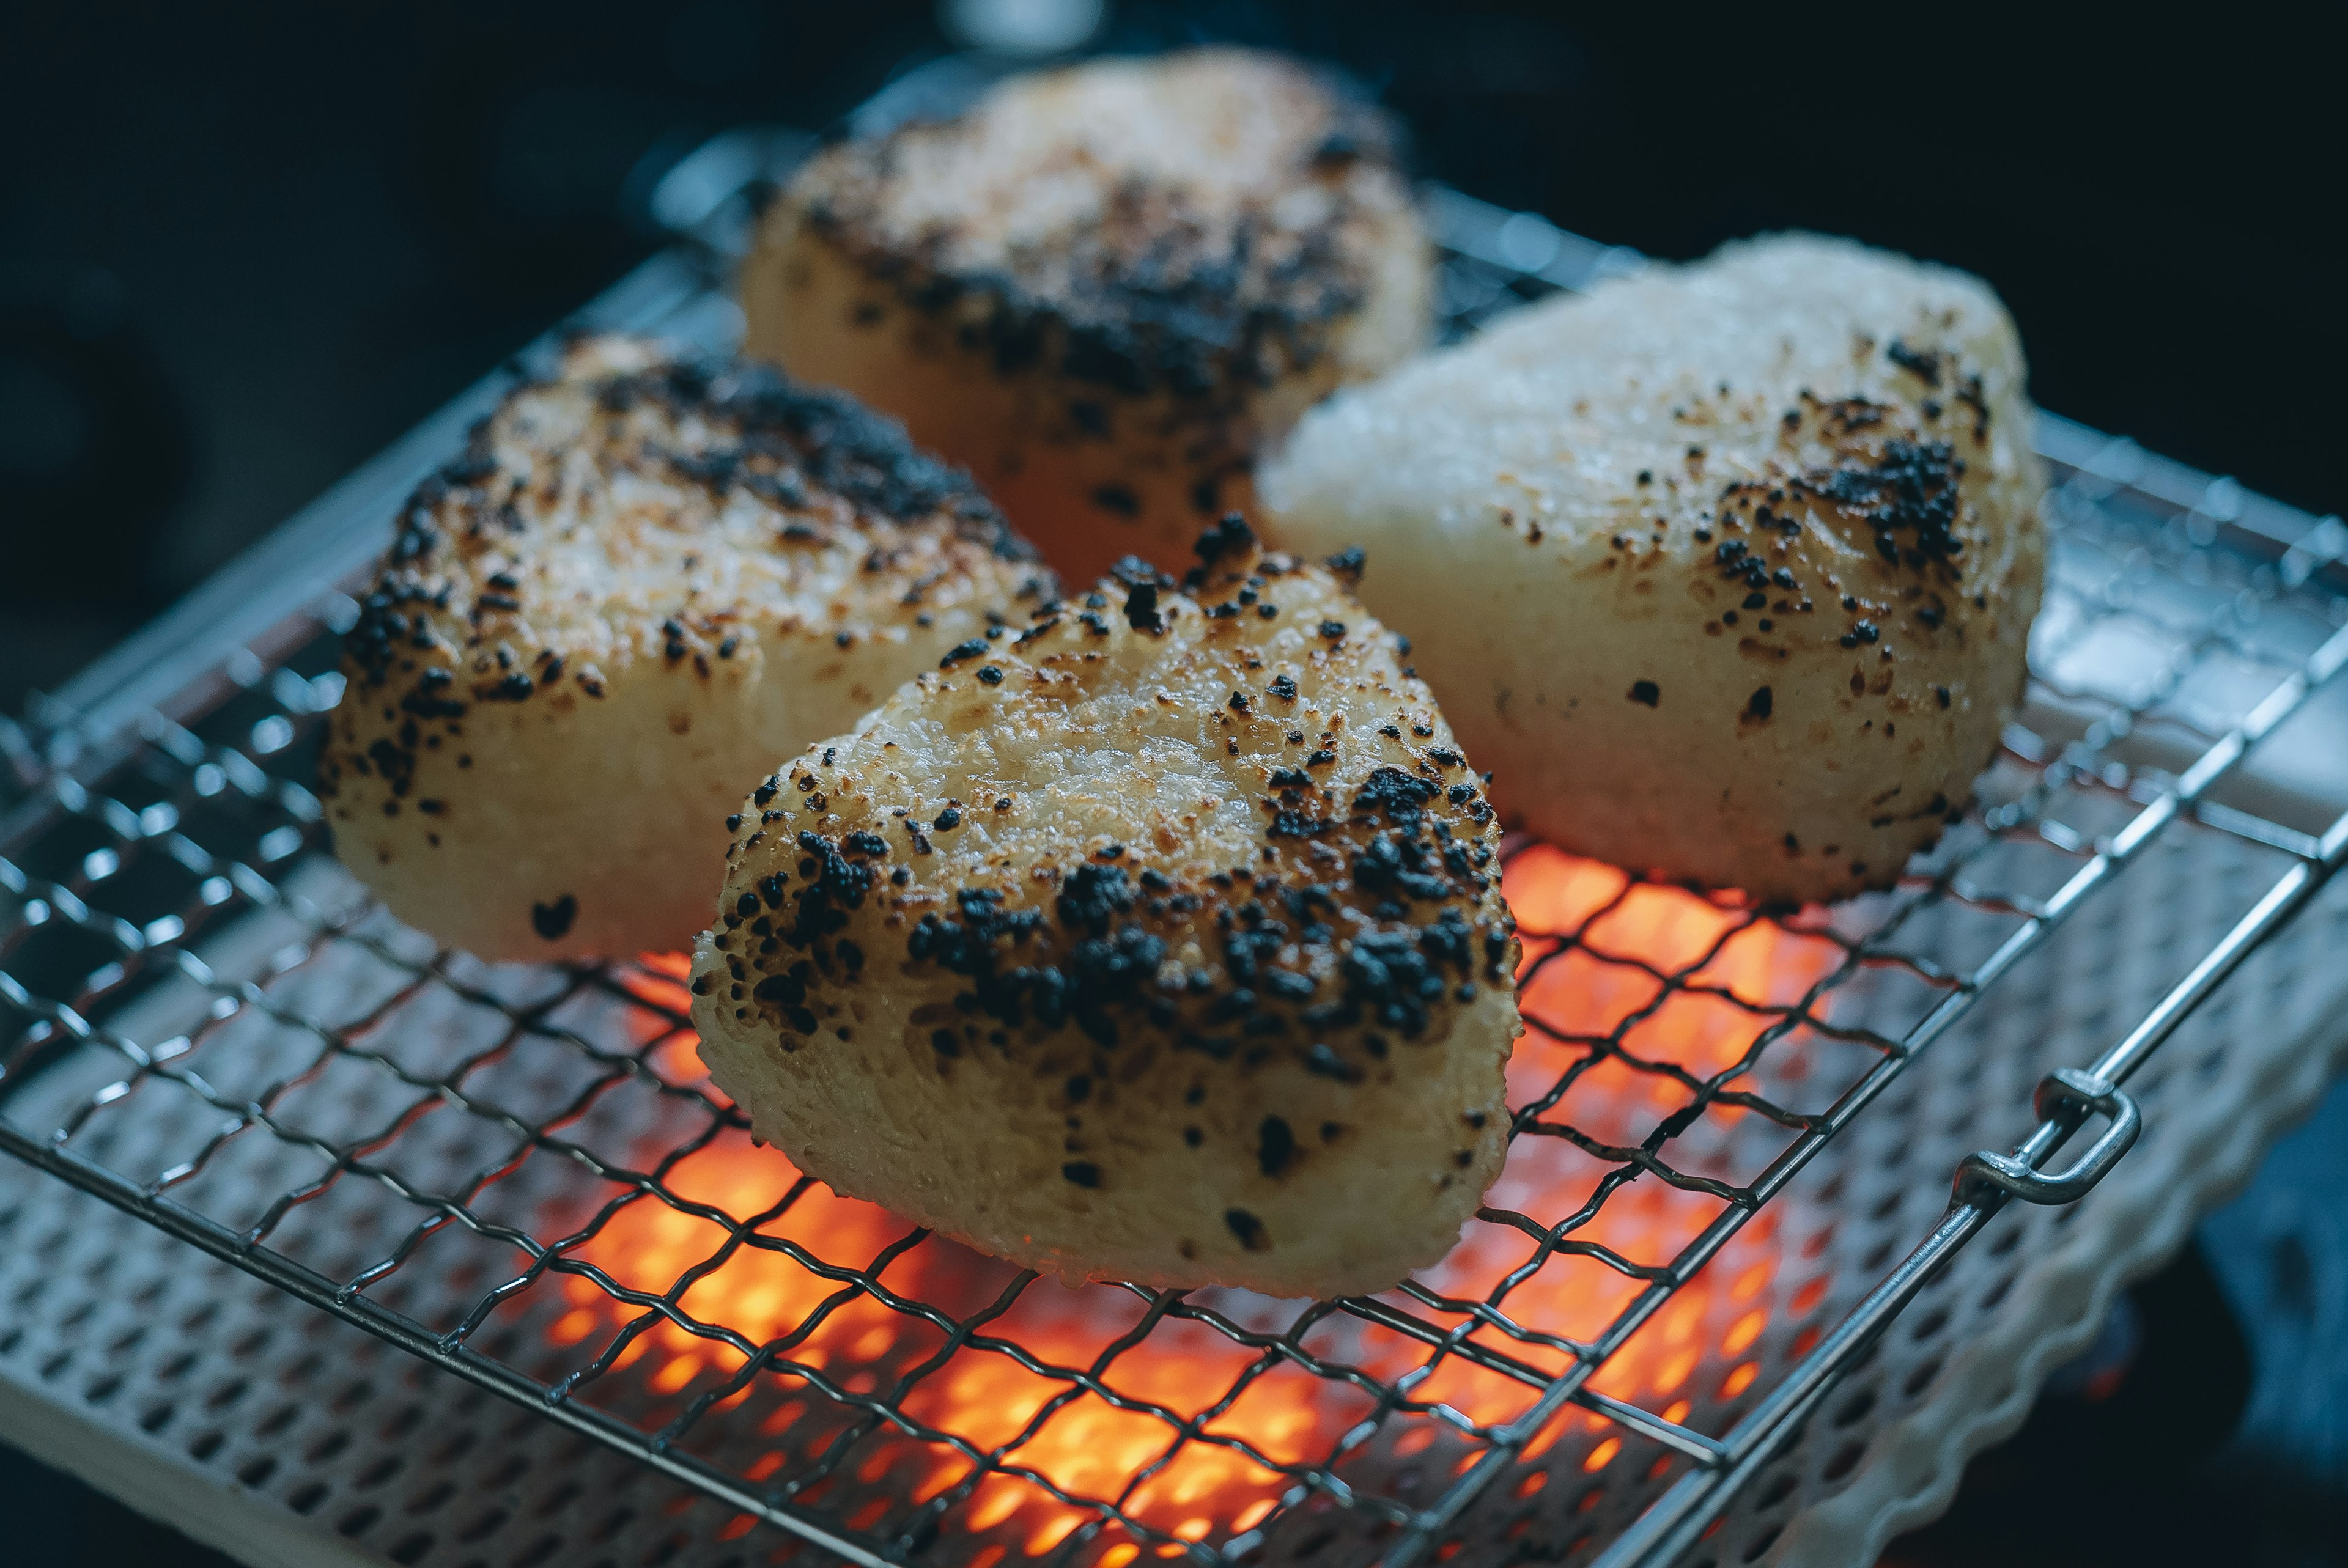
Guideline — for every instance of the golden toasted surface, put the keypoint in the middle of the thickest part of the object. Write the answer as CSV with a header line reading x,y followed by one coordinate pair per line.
x,y
644,580
1725,571
1102,286
1161,939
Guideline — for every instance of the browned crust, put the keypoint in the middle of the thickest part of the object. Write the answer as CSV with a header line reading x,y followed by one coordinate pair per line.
x,y
708,528
1264,1005
1155,295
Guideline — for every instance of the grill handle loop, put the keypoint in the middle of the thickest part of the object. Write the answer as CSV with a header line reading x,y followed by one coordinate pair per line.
x,y
2069,1095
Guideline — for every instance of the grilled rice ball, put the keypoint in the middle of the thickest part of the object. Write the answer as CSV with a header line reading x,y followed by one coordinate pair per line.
x,y
1727,571
642,581
1103,287
1159,941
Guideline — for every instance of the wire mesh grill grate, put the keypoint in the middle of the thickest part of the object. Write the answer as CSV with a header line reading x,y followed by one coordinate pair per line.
x,y
520,1175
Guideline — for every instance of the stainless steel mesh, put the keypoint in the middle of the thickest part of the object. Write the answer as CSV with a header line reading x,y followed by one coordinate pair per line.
x,y
519,1175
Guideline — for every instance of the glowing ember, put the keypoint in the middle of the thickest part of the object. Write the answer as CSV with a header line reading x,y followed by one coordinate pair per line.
x,y
1612,1052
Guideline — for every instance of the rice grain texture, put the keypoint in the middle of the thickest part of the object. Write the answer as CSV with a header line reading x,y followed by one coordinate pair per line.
x,y
1104,287
644,580
1160,940
1725,571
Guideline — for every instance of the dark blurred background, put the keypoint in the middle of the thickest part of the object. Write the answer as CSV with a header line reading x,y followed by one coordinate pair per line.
x,y
243,246
246,244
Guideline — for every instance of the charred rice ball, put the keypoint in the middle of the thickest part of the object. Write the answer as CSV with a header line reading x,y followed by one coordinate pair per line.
x,y
1727,571
645,579
1104,287
1157,939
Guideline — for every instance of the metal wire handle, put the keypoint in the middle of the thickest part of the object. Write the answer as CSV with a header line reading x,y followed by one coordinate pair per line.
x,y
1669,1529
2064,1094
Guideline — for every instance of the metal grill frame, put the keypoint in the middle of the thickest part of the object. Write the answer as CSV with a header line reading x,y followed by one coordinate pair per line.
x,y
231,636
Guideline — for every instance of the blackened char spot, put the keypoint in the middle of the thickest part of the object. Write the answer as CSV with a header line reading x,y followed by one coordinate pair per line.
x,y
552,921
1970,394
1293,822
1108,971
1143,582
1275,1146
1324,1062
1401,861
1092,894
834,885
1923,363
715,468
1227,535
395,764
1249,1229
1394,976
1401,797
787,990
1912,487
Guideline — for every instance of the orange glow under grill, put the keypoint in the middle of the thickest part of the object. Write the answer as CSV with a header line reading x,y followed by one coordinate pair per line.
x,y
1580,990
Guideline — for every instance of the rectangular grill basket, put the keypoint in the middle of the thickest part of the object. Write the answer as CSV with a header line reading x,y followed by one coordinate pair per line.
x,y
1730,1133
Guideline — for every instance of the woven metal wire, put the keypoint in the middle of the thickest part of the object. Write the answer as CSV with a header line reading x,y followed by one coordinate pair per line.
x,y
520,1175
